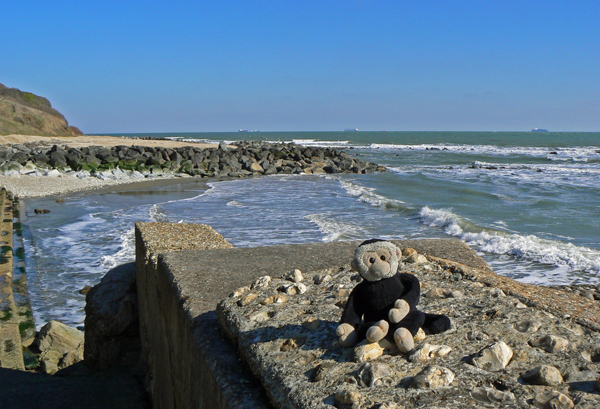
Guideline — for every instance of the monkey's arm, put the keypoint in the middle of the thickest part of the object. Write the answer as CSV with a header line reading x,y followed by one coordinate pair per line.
x,y
412,288
352,314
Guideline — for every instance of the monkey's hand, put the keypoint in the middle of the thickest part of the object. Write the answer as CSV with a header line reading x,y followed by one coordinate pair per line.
x,y
378,331
347,335
400,310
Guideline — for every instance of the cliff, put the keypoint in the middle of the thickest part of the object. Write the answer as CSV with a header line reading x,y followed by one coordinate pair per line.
x,y
25,113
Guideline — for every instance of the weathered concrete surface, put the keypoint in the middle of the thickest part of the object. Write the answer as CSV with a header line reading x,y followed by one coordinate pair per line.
x,y
11,350
189,363
532,346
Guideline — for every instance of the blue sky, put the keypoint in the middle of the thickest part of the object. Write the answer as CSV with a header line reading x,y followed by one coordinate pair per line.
x,y
161,66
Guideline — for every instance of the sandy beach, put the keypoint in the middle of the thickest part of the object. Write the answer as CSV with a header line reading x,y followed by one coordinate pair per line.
x,y
28,186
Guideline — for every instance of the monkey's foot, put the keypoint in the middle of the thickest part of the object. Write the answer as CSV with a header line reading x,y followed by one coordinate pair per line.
x,y
404,340
347,335
400,310
378,331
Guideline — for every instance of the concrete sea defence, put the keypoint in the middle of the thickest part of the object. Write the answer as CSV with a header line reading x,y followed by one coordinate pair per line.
x,y
17,328
512,344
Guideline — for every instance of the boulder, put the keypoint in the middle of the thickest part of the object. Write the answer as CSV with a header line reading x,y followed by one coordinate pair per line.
x,y
111,321
56,340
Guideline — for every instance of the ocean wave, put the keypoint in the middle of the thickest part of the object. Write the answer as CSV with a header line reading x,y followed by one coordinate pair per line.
x,y
527,247
335,230
321,144
368,195
126,252
576,154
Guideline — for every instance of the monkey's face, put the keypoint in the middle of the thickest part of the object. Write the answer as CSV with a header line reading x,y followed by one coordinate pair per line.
x,y
377,260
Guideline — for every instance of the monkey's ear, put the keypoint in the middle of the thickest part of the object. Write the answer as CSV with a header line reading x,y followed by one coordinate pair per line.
x,y
354,265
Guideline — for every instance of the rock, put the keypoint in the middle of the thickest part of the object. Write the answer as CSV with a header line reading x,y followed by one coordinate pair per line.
x,y
528,326
368,352
261,283
321,278
349,398
546,375
439,293
428,351
433,377
311,324
476,335
112,321
275,299
295,276
553,400
550,343
375,374
54,341
494,357
247,299
41,211
493,395
416,259
497,293
53,173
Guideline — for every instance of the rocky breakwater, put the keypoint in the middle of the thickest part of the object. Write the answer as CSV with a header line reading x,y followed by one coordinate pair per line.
x,y
512,344
239,160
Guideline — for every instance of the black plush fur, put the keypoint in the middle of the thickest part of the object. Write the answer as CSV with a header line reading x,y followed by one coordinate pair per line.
x,y
371,301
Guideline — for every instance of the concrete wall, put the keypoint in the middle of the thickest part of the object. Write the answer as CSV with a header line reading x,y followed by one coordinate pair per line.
x,y
187,361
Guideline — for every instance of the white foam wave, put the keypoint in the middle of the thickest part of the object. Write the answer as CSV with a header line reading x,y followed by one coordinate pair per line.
x,y
334,229
368,195
321,144
529,247
158,214
235,203
577,153
126,251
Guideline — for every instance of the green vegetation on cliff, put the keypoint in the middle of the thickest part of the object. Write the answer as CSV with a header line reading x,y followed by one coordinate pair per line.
x,y
28,114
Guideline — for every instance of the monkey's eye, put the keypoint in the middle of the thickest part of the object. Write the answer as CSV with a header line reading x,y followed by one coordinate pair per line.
x,y
382,258
372,260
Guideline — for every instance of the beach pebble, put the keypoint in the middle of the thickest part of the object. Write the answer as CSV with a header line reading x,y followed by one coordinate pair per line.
x,y
349,398
261,315
520,305
528,326
438,293
368,352
275,299
497,293
476,335
240,291
493,395
311,324
375,374
53,173
546,375
295,276
494,357
261,283
553,400
321,278
247,299
292,343
420,335
428,351
433,377
550,343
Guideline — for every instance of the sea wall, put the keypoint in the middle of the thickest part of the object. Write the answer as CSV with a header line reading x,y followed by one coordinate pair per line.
x,y
17,328
184,271
239,160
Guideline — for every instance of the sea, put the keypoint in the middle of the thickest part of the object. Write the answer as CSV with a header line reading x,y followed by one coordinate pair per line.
x,y
527,202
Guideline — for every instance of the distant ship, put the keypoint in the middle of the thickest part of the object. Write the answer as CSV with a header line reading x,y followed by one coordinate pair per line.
x,y
539,130
351,130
